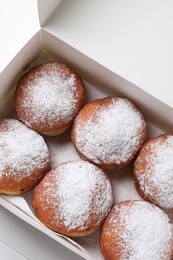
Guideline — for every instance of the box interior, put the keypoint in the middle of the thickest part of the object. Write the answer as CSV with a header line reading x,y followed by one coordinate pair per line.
x,y
99,82
154,110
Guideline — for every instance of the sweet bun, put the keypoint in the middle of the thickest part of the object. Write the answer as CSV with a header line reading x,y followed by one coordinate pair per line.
x,y
24,157
49,97
109,132
137,230
73,199
153,171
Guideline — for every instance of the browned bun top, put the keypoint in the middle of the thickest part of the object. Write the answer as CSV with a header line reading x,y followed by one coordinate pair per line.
x,y
49,96
137,230
153,171
109,132
24,157
74,198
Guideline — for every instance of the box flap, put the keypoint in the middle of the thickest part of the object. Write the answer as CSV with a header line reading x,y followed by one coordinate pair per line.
x,y
132,38
19,22
45,9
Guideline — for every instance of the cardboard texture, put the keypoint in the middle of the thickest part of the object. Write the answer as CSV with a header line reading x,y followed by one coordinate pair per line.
x,y
101,79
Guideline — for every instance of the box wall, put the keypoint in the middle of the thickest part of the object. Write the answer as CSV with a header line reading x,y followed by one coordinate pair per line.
x,y
154,110
11,74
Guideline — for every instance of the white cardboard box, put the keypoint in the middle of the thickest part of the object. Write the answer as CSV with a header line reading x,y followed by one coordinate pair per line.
x,y
118,47
21,241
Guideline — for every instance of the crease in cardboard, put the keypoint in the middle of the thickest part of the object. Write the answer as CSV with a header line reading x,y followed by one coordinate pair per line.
x,y
46,10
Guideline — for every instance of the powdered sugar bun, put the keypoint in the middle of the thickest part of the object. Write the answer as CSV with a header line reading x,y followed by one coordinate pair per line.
x,y
109,132
24,157
74,198
153,171
48,98
137,230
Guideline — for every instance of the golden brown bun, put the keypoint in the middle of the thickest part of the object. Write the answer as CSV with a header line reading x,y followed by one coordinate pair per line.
x,y
109,132
49,97
73,199
153,171
24,157
137,230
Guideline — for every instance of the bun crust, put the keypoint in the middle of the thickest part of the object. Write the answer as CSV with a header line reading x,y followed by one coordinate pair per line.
x,y
24,157
73,199
153,171
109,132
49,97
137,230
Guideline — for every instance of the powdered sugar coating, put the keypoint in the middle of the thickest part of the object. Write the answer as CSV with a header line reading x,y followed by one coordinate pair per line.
x,y
49,95
111,133
138,230
22,150
78,196
154,171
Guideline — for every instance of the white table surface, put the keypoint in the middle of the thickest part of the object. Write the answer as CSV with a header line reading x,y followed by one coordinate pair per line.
x,y
20,241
